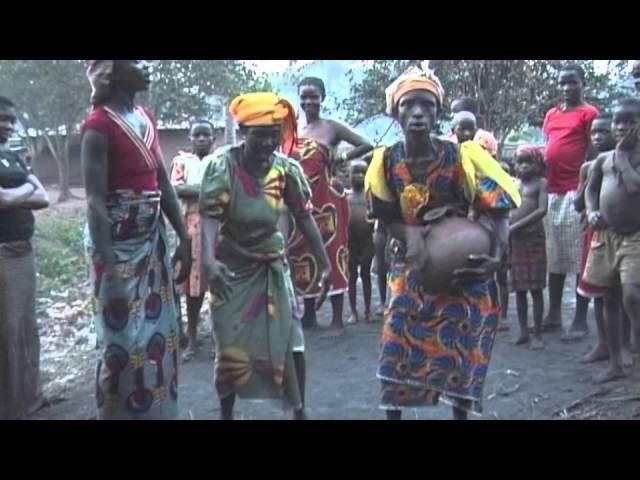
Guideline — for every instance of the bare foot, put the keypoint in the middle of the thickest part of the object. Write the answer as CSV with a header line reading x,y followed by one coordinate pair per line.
x,y
580,327
503,325
627,358
536,344
189,353
597,354
353,319
334,332
573,335
300,414
612,373
45,402
551,323
309,322
521,340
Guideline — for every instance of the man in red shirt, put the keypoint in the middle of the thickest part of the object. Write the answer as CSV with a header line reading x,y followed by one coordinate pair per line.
x,y
567,128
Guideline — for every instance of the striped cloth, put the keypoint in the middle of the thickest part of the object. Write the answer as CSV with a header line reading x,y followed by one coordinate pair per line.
x,y
564,235
528,259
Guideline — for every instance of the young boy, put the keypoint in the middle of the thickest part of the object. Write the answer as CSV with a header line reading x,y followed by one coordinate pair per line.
x,y
528,246
381,240
603,141
361,246
612,196
464,126
186,174
502,277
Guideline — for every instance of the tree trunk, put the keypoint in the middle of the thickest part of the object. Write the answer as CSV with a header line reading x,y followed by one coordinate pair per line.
x,y
65,189
503,139
66,186
62,161
33,147
229,129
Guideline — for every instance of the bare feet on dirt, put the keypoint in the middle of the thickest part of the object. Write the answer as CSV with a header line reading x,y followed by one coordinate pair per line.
x,y
536,344
627,358
503,325
521,340
333,332
552,323
611,374
597,354
368,318
189,353
575,332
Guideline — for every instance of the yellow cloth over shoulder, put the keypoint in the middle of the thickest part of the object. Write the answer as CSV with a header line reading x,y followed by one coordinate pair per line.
x,y
475,161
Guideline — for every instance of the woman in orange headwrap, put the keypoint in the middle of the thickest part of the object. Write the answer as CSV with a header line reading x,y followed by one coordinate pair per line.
x,y
315,152
435,343
259,344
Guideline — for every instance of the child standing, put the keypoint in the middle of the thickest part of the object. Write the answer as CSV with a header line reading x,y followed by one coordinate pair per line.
x,y
603,141
502,276
528,246
613,264
464,126
186,174
361,246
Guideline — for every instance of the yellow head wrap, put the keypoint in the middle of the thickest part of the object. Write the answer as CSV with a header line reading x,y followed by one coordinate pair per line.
x,y
264,109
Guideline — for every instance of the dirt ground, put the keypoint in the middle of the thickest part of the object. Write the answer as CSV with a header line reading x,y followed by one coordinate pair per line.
x,y
341,381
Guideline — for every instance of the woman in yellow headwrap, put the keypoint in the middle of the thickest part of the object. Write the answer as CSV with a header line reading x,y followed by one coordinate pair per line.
x,y
259,346
436,343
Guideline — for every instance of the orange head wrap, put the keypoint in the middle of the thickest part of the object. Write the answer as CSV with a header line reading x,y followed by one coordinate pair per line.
x,y
413,79
263,109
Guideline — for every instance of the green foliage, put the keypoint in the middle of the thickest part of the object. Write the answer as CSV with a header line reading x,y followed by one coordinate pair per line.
x,y
52,96
185,89
367,96
59,250
511,93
